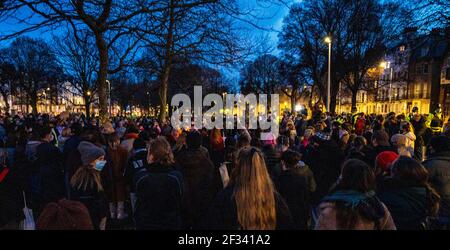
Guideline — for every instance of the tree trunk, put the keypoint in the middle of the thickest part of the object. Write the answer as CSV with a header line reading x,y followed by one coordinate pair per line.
x,y
333,103
102,75
33,103
167,64
354,94
293,102
87,107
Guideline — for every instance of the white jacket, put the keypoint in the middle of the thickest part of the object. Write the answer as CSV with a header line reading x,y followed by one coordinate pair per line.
x,y
410,138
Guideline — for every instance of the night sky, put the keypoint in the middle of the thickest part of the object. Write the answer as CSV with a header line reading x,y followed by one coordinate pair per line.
x,y
270,21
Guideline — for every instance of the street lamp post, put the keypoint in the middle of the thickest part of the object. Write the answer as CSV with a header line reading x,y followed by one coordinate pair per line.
x,y
329,41
109,97
49,98
339,98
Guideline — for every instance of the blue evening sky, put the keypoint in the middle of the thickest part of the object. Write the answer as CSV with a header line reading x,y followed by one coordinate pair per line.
x,y
269,21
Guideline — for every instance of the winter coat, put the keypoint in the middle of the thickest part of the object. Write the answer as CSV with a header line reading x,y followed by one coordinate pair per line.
x,y
136,162
325,162
292,186
51,173
159,191
95,201
303,170
419,130
406,203
410,139
273,161
391,128
371,154
222,214
115,183
30,150
202,182
359,126
438,166
11,199
327,212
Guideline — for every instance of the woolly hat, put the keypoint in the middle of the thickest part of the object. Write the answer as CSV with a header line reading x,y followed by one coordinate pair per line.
x,y
385,159
64,215
89,152
398,139
269,139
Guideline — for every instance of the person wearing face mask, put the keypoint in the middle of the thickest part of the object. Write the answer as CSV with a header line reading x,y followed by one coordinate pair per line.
x,y
86,184
50,170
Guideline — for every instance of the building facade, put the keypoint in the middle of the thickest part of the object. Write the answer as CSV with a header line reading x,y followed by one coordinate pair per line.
x,y
415,73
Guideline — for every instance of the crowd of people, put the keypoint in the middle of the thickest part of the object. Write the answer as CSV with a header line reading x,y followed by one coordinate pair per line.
x,y
348,171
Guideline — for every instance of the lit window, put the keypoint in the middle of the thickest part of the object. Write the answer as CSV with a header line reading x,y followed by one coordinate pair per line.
x,y
402,48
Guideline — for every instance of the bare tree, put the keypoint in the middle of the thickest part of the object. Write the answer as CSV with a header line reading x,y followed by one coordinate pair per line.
x,y
79,59
108,21
37,70
428,14
360,31
261,75
8,79
203,32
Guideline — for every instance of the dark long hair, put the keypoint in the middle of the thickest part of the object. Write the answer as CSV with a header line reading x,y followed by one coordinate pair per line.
x,y
412,173
357,176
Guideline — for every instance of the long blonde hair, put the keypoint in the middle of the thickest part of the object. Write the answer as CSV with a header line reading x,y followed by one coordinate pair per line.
x,y
254,192
86,177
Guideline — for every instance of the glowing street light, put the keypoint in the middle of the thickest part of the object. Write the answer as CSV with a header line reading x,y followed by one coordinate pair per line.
x,y
328,40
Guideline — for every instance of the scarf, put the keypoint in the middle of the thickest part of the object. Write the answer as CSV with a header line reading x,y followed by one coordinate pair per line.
x,y
352,198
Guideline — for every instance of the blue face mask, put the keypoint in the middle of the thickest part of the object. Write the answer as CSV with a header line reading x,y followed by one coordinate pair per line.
x,y
99,165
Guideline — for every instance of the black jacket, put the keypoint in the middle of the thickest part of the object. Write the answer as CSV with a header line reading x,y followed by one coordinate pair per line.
x,y
420,128
11,199
95,201
273,161
325,162
202,182
438,166
371,154
406,203
222,214
159,192
136,162
51,173
292,186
